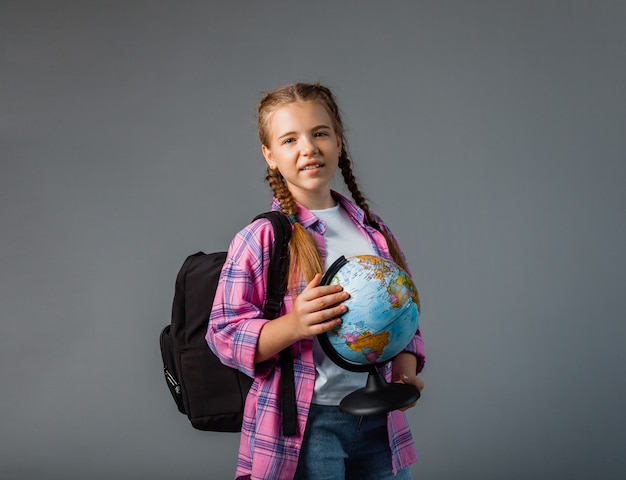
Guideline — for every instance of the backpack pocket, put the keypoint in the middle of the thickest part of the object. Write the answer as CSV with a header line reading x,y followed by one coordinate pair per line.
x,y
214,394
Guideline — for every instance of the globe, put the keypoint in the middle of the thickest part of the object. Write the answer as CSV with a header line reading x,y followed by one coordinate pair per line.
x,y
382,315
381,319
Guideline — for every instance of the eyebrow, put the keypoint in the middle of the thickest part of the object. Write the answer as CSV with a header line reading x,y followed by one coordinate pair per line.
x,y
314,129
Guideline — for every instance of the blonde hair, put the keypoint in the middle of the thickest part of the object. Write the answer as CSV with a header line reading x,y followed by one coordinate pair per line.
x,y
305,258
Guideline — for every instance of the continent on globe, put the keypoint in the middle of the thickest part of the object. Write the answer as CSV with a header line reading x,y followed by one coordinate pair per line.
x,y
400,289
368,344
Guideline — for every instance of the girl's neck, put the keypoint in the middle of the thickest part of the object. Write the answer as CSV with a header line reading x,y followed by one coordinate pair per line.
x,y
318,202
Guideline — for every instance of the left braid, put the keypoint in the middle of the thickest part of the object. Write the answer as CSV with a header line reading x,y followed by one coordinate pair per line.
x,y
350,181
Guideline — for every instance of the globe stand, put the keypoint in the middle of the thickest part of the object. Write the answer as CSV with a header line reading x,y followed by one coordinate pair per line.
x,y
379,396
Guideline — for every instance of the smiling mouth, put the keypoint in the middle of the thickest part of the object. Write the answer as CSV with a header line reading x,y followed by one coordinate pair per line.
x,y
312,167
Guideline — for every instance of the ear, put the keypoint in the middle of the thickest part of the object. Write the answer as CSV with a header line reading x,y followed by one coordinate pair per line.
x,y
267,154
339,144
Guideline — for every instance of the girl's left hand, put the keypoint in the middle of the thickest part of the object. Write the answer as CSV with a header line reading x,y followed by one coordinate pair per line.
x,y
411,380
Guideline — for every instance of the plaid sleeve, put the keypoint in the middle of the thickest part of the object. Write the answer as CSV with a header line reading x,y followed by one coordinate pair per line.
x,y
237,315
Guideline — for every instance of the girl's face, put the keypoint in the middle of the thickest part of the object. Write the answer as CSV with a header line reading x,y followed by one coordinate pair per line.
x,y
305,148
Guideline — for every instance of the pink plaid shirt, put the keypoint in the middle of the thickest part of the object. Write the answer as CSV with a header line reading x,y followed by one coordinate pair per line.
x,y
236,321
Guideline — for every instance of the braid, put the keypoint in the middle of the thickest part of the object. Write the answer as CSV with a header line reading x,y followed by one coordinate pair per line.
x,y
305,259
281,191
350,181
359,199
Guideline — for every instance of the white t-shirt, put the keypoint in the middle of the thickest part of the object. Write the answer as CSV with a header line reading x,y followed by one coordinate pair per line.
x,y
342,237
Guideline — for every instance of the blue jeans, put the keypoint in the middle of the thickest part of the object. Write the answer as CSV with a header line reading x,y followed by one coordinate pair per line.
x,y
339,446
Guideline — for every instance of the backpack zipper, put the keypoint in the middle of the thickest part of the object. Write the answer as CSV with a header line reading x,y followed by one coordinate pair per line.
x,y
172,380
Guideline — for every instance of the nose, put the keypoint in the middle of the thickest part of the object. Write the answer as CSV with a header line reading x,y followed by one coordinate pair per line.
x,y
308,146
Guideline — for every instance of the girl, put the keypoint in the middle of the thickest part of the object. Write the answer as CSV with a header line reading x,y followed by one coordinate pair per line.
x,y
302,140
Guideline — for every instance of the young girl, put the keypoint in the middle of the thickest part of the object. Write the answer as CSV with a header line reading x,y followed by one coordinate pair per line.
x,y
302,140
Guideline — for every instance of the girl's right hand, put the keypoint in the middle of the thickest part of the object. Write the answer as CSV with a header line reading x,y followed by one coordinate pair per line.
x,y
317,309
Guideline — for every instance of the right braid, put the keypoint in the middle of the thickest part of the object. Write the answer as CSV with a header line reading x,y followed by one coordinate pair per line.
x,y
281,191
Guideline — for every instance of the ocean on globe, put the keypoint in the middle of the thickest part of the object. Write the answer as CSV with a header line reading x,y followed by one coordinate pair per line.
x,y
383,311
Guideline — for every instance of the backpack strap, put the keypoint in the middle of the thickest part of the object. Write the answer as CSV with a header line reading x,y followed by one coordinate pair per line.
x,y
276,290
279,262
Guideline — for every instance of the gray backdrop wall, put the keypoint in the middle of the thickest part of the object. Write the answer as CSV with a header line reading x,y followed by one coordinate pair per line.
x,y
489,134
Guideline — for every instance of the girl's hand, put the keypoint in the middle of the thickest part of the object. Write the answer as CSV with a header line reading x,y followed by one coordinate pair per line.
x,y
403,371
411,380
317,309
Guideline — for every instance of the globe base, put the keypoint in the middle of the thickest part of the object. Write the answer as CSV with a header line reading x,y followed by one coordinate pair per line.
x,y
379,396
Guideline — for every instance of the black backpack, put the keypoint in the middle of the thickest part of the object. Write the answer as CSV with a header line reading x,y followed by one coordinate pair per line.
x,y
211,394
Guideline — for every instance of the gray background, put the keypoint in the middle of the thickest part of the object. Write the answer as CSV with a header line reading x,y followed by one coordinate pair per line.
x,y
489,134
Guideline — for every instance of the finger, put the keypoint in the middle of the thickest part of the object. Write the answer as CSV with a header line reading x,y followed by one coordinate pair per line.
x,y
420,384
328,302
320,314
314,282
326,326
411,380
313,288
325,295
414,380
404,409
